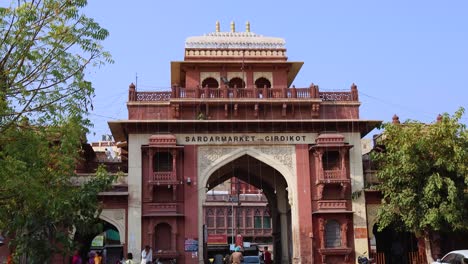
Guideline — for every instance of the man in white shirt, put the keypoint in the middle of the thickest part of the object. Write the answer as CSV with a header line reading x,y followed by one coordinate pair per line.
x,y
147,255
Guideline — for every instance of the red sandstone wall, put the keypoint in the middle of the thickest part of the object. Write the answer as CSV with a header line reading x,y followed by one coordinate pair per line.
x,y
190,224
304,203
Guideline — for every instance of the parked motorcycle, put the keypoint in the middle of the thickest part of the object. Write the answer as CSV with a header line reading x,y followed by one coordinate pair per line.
x,y
364,260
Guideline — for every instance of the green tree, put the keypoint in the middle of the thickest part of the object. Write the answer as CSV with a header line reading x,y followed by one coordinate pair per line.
x,y
423,170
45,46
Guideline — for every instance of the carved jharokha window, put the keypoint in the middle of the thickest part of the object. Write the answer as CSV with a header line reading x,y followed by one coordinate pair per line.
x,y
210,82
262,82
262,221
230,218
332,234
266,219
220,217
210,217
162,162
163,236
331,160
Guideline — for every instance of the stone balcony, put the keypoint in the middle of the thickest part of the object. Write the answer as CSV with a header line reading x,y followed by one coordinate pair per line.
x,y
180,93
325,205
162,178
333,177
162,209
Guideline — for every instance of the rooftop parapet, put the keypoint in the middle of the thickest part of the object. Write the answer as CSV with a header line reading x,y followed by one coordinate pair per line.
x,y
206,93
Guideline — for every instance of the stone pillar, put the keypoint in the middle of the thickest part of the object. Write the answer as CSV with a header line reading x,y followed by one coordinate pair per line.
x,y
282,210
358,204
304,204
135,141
149,189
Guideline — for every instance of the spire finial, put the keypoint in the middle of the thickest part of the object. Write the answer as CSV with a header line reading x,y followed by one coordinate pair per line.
x,y
217,26
395,119
233,26
247,26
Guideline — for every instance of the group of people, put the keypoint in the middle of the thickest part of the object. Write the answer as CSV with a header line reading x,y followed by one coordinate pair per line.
x,y
146,256
237,257
94,257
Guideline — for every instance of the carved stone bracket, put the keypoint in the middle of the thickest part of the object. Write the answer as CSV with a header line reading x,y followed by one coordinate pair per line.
x,y
344,188
320,191
315,110
236,106
324,252
176,112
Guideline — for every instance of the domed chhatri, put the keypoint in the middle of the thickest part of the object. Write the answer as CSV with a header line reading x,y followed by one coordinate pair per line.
x,y
258,45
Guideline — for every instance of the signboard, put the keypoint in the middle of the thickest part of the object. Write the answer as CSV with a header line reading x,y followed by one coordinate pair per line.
x,y
191,245
217,240
239,240
245,139
98,241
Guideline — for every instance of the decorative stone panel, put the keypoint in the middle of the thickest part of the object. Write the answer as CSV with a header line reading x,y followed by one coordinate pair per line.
x,y
209,155
231,75
214,75
332,205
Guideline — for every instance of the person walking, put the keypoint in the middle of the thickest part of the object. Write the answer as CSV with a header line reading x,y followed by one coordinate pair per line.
x,y
236,256
147,255
76,259
266,256
98,258
129,259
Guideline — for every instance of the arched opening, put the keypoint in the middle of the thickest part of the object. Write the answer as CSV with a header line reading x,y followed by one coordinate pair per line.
x,y
162,162
210,83
236,82
332,234
331,160
104,238
395,246
247,197
262,82
163,237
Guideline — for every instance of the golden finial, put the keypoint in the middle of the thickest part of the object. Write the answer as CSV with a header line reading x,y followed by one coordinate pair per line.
x,y
233,26
247,26
217,26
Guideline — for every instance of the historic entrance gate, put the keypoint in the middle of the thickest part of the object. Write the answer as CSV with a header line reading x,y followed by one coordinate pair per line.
x,y
233,112
239,162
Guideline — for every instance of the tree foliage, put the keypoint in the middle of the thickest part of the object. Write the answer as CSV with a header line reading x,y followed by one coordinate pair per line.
x,y
423,171
45,47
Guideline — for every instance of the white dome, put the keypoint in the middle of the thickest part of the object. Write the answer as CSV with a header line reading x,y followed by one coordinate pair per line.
x,y
234,40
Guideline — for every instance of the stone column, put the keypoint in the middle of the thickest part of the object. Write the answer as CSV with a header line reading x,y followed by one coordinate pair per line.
x,y
135,141
149,195
282,210
358,204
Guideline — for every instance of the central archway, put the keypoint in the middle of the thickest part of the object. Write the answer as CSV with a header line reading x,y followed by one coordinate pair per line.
x,y
265,173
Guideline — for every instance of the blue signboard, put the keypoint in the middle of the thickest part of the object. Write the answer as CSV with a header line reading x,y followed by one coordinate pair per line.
x,y
191,245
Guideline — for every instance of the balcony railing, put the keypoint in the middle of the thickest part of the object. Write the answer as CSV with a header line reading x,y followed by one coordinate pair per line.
x,y
325,205
259,232
163,177
161,209
332,176
244,93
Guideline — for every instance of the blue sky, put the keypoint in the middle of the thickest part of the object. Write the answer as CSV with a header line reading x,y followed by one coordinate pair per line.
x,y
408,58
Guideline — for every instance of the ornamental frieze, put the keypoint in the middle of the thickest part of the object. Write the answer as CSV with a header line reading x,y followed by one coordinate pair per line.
x,y
209,155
